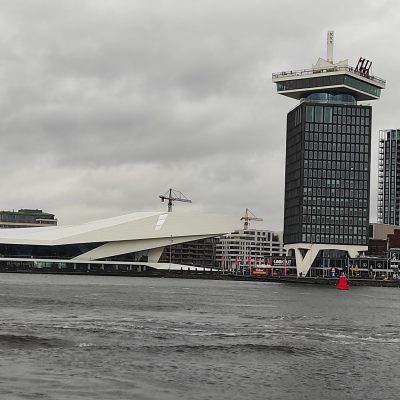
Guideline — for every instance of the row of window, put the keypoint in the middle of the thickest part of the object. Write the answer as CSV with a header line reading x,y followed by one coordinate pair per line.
x,y
326,115
391,212
323,173
335,156
391,146
334,202
322,191
337,129
336,165
314,192
355,111
340,80
389,135
345,239
344,215
343,120
334,220
334,229
337,183
339,218
336,146
329,98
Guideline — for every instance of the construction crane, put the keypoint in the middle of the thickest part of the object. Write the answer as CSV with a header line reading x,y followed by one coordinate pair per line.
x,y
173,195
249,216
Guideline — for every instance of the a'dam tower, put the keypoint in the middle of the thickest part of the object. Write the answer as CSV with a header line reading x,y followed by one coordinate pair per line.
x,y
328,156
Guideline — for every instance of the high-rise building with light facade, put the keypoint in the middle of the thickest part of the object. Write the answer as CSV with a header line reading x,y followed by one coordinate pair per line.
x,y
389,177
328,155
237,250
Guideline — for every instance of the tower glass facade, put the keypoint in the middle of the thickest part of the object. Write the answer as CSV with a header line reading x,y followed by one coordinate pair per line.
x,y
328,152
389,177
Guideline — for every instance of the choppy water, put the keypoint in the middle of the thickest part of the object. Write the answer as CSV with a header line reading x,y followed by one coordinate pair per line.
x,y
69,337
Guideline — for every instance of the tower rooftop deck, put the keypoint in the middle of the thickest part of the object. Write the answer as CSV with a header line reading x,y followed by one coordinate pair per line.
x,y
333,79
278,76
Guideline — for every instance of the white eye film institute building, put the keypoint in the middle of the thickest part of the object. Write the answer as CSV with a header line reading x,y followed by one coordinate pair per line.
x,y
132,242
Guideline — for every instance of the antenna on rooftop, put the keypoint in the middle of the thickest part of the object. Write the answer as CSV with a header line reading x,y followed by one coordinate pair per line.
x,y
329,46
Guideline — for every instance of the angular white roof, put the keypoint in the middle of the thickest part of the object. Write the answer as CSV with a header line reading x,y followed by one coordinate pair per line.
x,y
135,226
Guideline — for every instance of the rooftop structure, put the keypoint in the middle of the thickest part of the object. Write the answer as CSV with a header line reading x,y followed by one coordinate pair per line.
x,y
331,79
338,79
24,218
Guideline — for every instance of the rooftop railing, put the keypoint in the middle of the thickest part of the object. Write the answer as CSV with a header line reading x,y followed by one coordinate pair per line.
x,y
337,68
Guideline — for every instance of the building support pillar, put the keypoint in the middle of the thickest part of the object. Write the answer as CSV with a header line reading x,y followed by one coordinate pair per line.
x,y
305,253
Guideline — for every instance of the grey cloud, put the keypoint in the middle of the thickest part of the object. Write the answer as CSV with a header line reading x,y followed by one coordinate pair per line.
x,y
106,104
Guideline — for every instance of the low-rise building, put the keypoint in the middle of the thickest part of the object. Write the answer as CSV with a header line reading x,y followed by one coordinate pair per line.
x,y
26,218
248,247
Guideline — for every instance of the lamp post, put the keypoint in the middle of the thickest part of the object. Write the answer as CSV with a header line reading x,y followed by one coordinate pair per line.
x,y
170,254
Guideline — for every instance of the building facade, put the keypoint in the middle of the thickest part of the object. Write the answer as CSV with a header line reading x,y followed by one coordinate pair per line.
x,y
389,177
197,253
240,248
26,218
328,155
248,248
327,173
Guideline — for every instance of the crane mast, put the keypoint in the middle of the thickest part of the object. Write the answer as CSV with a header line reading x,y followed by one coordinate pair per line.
x,y
249,216
173,195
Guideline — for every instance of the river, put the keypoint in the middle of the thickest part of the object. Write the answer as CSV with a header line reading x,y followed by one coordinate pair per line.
x,y
93,337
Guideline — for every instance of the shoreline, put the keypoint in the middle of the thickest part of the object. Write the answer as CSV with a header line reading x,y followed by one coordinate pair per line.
x,y
218,276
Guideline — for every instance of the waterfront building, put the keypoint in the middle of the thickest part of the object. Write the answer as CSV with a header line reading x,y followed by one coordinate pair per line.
x,y
25,218
389,177
378,239
379,231
237,249
328,155
197,253
383,238
135,241
244,248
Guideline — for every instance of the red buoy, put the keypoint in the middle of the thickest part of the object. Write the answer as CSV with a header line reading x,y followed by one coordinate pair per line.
x,y
342,284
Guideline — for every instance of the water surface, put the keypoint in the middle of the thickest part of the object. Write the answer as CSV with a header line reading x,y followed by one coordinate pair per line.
x,y
88,337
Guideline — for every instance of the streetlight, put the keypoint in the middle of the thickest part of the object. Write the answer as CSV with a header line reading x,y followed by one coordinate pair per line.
x,y
170,254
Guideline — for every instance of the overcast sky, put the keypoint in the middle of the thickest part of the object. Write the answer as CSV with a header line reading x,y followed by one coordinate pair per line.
x,y
105,104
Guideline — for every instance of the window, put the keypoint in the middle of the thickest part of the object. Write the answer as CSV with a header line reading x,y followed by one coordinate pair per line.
x,y
318,114
309,113
328,114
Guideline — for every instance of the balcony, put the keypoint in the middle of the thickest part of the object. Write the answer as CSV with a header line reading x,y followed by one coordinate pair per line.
x,y
340,68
